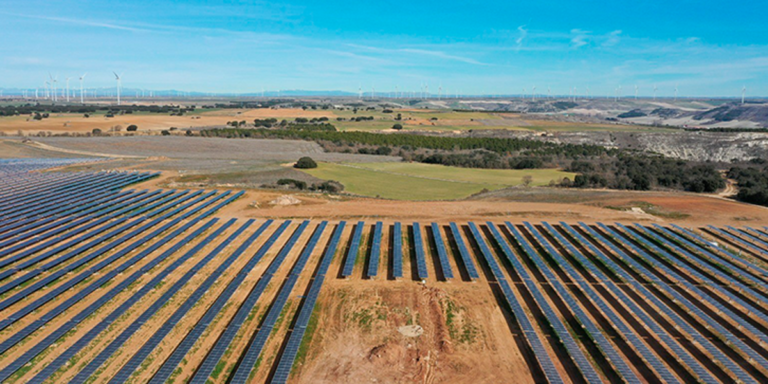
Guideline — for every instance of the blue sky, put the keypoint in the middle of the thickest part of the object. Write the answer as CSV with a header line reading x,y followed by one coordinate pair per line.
x,y
708,48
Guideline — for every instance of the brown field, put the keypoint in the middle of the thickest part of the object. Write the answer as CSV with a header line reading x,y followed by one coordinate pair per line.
x,y
60,123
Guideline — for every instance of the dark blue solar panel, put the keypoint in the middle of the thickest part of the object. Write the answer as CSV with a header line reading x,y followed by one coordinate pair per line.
x,y
397,251
464,253
442,254
373,260
354,247
418,245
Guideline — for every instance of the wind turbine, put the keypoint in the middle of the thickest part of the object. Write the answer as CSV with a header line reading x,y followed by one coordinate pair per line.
x,y
655,88
68,89
549,93
118,87
743,93
533,93
675,92
635,91
360,93
587,92
53,85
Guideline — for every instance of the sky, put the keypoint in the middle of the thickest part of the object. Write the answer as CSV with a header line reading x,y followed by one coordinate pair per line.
x,y
704,47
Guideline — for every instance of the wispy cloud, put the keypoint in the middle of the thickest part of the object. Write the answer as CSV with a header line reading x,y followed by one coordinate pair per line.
x,y
81,22
612,38
579,38
523,35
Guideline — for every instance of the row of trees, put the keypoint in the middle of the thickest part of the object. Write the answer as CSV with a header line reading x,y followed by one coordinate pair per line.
x,y
643,172
31,109
752,183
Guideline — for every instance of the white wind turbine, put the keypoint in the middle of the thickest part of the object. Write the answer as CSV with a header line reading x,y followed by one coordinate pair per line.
x,y
635,91
549,93
47,85
119,80
68,89
587,92
743,93
533,93
675,92
655,88
53,85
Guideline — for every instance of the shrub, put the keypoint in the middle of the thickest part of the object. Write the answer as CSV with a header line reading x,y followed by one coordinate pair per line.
x,y
305,163
96,131
165,132
397,127
132,128
298,184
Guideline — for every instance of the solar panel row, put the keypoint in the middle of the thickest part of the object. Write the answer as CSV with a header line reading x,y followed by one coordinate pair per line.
x,y
285,362
418,246
605,346
373,260
463,253
529,332
397,251
83,341
252,353
442,254
354,247
233,327
712,285
587,370
713,350
151,343
633,339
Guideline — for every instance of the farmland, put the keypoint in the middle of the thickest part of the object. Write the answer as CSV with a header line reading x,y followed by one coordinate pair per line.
x,y
104,279
414,181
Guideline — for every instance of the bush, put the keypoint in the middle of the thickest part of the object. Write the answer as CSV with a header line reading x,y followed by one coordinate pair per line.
x,y
298,184
329,186
305,163
165,132
132,128
96,131
189,132
397,127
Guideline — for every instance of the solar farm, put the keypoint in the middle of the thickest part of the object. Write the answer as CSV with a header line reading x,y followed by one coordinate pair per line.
x,y
102,280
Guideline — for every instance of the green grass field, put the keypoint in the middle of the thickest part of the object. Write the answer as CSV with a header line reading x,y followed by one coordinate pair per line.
x,y
416,181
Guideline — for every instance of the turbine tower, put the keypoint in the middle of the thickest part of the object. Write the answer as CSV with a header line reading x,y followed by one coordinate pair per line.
x,y
53,85
743,93
533,93
68,89
81,87
118,86
675,92
655,88
635,91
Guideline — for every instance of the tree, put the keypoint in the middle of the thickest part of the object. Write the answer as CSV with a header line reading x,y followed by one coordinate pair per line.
x,y
165,132
132,128
305,163
96,131
189,132
397,127
527,180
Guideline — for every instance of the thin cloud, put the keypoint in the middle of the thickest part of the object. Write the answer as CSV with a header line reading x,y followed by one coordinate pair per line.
x,y
82,22
612,38
523,35
579,38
